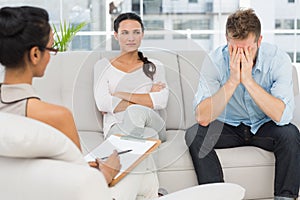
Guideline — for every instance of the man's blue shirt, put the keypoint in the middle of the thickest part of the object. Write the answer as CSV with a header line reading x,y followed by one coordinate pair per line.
x,y
272,71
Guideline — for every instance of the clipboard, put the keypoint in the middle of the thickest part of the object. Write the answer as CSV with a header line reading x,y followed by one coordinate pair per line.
x,y
141,148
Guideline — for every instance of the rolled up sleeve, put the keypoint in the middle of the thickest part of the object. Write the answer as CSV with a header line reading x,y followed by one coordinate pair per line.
x,y
283,89
159,99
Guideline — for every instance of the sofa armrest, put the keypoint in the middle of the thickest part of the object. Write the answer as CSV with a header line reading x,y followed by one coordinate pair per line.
x,y
49,179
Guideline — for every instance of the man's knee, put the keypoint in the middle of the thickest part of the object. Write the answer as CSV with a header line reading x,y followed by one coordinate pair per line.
x,y
289,134
195,135
190,134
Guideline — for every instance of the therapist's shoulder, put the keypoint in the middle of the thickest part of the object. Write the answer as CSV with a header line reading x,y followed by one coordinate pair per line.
x,y
54,115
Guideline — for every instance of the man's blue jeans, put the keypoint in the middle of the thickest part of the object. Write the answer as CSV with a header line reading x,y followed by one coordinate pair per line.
x,y
284,141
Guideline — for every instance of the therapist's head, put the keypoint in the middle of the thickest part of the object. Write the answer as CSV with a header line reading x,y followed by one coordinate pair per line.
x,y
25,37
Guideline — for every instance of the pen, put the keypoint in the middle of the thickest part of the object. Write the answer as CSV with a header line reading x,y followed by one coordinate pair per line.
x,y
119,152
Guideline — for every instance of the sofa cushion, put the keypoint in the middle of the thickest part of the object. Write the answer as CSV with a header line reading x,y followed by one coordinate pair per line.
x,y
250,167
23,137
86,114
246,156
179,158
174,113
190,63
90,140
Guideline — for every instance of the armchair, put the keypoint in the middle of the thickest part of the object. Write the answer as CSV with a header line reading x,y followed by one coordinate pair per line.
x,y
39,162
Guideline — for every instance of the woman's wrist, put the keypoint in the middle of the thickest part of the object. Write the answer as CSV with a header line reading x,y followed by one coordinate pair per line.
x,y
108,176
105,171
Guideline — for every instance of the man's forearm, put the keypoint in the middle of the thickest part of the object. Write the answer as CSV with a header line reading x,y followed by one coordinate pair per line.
x,y
210,108
270,105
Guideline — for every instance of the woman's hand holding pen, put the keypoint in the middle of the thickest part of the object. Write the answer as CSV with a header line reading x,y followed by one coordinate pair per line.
x,y
110,167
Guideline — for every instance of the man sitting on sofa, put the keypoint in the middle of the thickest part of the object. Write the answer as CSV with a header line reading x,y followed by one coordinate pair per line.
x,y
246,98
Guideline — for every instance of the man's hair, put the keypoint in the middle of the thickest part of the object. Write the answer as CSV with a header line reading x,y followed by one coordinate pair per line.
x,y
241,23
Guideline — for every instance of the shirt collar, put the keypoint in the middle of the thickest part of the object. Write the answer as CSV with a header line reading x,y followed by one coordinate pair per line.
x,y
258,65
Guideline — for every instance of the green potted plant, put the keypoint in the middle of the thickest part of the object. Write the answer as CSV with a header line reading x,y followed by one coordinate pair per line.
x,y
65,34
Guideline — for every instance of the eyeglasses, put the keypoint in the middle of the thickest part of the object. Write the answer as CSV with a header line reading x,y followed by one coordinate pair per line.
x,y
52,50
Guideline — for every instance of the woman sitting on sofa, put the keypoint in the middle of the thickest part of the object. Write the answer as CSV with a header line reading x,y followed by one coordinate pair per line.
x,y
129,89
26,42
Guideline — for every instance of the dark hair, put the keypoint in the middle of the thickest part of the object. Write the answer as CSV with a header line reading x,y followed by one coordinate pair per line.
x,y
241,23
125,16
149,68
22,28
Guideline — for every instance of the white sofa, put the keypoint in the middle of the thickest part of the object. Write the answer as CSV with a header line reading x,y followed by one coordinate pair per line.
x,y
39,162
68,81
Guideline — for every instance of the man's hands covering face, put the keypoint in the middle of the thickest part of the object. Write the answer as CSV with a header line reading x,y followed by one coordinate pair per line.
x,y
241,63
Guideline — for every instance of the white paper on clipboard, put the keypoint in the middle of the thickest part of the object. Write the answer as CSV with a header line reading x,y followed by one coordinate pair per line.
x,y
138,146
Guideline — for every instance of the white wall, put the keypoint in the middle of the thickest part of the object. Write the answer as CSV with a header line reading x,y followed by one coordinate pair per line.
x,y
265,10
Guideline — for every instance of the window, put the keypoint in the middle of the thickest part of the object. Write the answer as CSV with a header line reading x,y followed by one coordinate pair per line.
x,y
152,6
284,24
171,21
192,24
291,54
277,24
154,25
81,42
136,6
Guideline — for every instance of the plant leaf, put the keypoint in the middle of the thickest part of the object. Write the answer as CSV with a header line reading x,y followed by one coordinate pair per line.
x,y
66,34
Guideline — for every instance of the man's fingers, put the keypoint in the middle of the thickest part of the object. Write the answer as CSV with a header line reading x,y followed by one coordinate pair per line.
x,y
242,56
230,49
235,55
247,53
